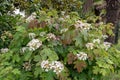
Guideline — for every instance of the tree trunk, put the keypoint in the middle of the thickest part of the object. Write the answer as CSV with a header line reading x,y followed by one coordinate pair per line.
x,y
87,6
112,16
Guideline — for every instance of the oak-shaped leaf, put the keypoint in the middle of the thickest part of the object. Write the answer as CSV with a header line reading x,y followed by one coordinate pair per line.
x,y
80,65
71,58
67,38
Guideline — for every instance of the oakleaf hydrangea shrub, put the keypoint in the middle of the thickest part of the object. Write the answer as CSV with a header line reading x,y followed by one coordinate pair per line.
x,y
8,22
66,48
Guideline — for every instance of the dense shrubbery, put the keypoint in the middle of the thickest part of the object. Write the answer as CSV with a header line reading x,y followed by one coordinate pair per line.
x,y
59,5
54,43
62,47
7,28
8,21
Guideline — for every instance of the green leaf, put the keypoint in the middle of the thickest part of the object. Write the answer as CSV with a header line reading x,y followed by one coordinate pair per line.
x,y
79,41
50,75
8,55
27,55
103,72
109,61
47,53
16,58
16,71
20,28
85,35
96,69
37,71
37,58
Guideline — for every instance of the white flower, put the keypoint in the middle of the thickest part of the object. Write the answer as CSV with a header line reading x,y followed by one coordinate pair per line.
x,y
17,11
63,30
51,36
82,26
4,50
22,50
90,45
57,66
82,56
45,65
34,44
31,17
32,35
96,41
68,16
104,36
107,45
61,19
42,34
63,13
27,66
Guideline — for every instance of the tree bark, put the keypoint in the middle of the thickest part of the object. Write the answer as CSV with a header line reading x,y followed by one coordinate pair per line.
x,y
112,16
88,4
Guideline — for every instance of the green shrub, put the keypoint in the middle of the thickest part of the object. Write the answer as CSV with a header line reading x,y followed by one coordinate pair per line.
x,y
7,28
67,48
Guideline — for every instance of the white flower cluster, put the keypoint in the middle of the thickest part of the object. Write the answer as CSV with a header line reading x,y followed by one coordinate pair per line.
x,y
107,45
45,65
23,49
32,35
104,36
90,45
61,19
4,50
34,44
17,11
42,34
27,66
82,26
63,13
67,16
31,17
56,66
82,56
63,30
51,36
96,41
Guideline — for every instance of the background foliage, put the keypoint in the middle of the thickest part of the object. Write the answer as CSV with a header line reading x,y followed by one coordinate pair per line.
x,y
64,35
